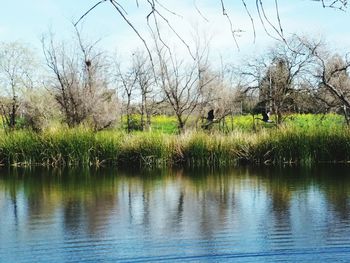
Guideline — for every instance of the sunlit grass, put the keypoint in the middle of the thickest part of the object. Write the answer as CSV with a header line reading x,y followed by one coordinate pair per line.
x,y
302,139
165,124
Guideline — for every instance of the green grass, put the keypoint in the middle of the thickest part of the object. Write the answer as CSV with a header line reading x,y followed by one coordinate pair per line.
x,y
168,124
302,139
164,124
159,123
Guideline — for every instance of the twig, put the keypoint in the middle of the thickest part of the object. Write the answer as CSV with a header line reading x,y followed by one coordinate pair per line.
x,y
175,32
87,12
230,22
199,11
167,9
135,30
279,19
251,18
279,33
262,21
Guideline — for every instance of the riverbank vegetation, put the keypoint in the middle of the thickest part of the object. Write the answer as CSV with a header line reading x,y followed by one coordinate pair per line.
x,y
83,107
302,140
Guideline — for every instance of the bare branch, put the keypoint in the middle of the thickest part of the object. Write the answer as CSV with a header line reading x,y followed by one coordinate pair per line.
x,y
257,4
199,11
113,2
87,12
250,17
175,32
167,9
279,19
233,32
273,29
279,32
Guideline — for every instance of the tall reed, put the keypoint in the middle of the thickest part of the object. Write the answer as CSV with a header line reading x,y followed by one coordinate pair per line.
x,y
83,147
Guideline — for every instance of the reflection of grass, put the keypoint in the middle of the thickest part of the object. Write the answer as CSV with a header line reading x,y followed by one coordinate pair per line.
x,y
303,139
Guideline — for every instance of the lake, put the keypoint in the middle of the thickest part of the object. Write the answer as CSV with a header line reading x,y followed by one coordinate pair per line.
x,y
243,215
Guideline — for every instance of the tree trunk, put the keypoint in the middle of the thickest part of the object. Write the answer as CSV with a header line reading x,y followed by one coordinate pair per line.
x,y
180,124
142,112
148,121
346,115
128,119
13,113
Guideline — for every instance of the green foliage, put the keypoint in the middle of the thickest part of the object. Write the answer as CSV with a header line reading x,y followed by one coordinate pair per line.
x,y
303,139
19,147
134,123
107,147
144,149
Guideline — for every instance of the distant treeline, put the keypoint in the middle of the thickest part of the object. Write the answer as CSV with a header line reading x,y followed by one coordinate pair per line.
x,y
76,83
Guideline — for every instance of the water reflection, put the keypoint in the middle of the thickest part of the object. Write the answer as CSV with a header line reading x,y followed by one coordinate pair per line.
x,y
247,214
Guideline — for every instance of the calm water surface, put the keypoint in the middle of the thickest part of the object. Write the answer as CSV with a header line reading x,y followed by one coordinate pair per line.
x,y
243,215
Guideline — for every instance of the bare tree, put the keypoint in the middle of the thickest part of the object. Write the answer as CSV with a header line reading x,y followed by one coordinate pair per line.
x,y
80,81
145,83
333,78
278,76
127,81
179,84
230,100
38,108
16,75
184,83
211,91
220,94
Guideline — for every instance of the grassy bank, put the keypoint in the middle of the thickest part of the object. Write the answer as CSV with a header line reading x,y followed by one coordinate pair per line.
x,y
82,147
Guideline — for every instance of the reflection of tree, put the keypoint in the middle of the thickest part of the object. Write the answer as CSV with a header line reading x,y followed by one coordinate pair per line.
x,y
340,202
180,207
281,195
72,214
37,203
183,204
213,197
84,199
98,210
13,195
280,203
146,207
88,201
338,192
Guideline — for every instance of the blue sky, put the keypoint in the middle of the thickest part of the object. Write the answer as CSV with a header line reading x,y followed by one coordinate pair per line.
x,y
27,20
